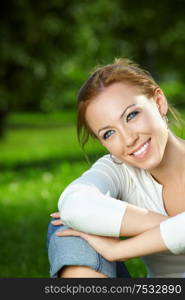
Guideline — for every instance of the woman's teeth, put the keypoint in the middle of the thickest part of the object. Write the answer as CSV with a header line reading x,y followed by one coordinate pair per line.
x,y
141,150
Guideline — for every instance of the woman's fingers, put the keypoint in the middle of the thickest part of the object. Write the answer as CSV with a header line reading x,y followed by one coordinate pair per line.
x,y
56,222
67,232
55,215
72,232
102,244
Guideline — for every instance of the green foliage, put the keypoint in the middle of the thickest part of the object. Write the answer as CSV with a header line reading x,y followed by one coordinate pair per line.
x,y
174,90
49,47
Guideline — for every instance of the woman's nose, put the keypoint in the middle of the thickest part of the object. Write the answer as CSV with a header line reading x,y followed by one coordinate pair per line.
x,y
130,137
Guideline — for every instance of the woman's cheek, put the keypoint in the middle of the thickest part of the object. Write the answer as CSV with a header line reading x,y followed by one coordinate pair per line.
x,y
146,125
115,147
142,126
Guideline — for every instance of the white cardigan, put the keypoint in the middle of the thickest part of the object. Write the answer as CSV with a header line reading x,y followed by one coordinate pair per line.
x,y
96,203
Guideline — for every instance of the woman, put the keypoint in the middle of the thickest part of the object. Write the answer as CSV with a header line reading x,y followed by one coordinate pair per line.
x,y
137,191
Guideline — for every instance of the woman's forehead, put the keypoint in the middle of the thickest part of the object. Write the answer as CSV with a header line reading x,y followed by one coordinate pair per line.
x,y
111,104
113,98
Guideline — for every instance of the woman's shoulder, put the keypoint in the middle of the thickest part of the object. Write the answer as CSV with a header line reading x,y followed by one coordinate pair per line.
x,y
111,165
106,162
108,168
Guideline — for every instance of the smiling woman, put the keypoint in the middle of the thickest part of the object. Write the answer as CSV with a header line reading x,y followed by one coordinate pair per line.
x,y
127,137
140,197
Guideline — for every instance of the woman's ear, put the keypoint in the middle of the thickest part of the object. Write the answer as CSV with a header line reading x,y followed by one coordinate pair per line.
x,y
160,101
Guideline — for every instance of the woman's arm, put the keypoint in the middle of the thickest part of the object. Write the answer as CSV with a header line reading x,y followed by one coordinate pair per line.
x,y
137,220
90,204
169,235
148,242
114,249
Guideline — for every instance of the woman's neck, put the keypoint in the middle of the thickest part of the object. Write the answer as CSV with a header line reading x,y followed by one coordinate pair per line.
x,y
172,167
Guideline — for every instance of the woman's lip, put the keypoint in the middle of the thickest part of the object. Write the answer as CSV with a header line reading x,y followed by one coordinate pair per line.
x,y
140,147
145,152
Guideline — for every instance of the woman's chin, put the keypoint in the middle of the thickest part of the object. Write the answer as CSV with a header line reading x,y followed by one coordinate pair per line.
x,y
148,164
151,164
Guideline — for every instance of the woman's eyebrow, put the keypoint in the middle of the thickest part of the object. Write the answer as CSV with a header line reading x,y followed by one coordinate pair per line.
x,y
108,126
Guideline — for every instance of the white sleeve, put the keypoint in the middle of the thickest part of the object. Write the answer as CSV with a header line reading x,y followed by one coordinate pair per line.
x,y
90,203
173,233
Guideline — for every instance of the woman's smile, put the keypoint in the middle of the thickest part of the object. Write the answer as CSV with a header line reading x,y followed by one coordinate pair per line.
x,y
142,151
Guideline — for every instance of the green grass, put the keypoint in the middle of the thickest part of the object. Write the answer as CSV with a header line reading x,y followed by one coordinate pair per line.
x,y
30,120
27,198
37,162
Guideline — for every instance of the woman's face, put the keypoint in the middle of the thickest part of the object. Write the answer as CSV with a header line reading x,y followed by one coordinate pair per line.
x,y
130,125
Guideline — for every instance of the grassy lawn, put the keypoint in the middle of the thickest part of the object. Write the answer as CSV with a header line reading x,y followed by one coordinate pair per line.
x,y
39,157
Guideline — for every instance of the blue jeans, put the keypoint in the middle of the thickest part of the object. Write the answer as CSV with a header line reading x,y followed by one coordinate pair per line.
x,y
72,250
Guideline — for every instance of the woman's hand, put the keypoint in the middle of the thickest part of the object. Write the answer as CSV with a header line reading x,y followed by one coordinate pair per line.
x,y
57,222
106,246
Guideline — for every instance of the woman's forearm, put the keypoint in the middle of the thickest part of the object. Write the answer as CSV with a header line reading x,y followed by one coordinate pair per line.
x,y
86,209
137,220
113,249
148,242
169,235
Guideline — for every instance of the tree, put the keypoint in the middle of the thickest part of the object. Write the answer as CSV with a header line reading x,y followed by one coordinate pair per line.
x,y
48,47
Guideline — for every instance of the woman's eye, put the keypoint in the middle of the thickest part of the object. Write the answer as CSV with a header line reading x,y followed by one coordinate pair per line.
x,y
108,134
132,115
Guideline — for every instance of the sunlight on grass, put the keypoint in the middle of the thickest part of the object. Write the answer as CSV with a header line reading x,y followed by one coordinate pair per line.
x,y
33,145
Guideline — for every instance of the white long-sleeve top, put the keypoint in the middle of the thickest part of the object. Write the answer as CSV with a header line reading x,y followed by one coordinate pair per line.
x,y
96,202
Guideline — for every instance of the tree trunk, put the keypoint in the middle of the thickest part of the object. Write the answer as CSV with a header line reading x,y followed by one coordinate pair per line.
x,y
3,117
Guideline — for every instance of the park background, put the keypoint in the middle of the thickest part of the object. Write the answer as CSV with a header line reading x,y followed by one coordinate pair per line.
x,y
48,48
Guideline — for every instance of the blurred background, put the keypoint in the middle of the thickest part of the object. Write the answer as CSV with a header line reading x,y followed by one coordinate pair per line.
x,y
47,49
